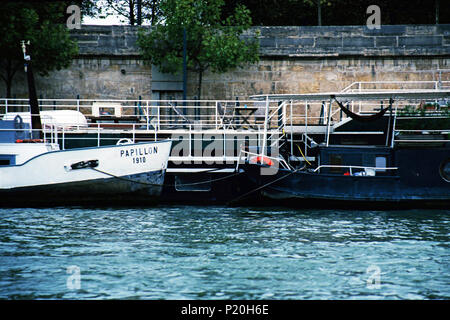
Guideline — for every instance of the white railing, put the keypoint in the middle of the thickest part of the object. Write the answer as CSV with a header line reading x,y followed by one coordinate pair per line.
x,y
362,86
159,114
155,119
351,168
226,122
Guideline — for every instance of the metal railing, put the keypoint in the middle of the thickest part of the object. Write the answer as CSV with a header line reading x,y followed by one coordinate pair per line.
x,y
264,121
351,168
361,86
158,114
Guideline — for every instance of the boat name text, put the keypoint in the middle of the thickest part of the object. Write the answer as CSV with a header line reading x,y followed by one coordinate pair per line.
x,y
138,155
141,151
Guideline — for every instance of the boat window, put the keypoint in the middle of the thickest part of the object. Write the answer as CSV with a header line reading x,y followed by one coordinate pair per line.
x,y
336,160
7,159
444,170
380,162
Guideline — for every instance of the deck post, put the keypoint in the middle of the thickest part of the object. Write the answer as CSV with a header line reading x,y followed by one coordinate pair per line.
x,y
328,122
292,130
306,128
393,127
158,111
98,134
216,117
265,127
147,115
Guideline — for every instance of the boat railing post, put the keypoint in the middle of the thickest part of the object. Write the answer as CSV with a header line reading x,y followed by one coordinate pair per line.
x,y
51,133
147,117
190,140
63,139
265,126
238,160
224,146
158,111
98,134
328,122
393,126
6,105
306,128
134,132
292,129
216,116
283,114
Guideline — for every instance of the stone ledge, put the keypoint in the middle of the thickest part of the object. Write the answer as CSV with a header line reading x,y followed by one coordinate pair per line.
x,y
293,41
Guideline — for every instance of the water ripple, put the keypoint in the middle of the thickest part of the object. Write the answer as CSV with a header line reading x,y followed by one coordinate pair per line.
x,y
187,252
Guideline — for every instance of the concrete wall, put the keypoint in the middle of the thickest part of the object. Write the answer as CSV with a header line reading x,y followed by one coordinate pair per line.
x,y
292,60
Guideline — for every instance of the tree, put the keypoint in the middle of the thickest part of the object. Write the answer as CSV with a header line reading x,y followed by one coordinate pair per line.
x,y
213,42
341,12
128,10
50,43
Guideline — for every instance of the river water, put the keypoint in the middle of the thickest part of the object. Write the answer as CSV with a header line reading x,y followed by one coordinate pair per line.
x,y
192,252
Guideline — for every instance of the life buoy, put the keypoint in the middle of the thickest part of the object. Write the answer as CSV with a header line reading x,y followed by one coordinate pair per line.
x,y
261,160
29,140
124,141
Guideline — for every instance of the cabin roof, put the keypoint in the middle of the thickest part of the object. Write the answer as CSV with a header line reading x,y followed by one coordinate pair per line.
x,y
415,94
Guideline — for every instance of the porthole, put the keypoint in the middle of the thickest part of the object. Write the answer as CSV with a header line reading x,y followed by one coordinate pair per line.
x,y
444,170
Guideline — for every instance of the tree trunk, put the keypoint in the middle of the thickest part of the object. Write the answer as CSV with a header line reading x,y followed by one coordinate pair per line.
x,y
153,16
139,12
132,18
319,13
10,71
199,90
8,87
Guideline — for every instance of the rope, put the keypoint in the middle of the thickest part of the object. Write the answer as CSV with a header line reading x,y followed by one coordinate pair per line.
x,y
300,149
263,186
169,185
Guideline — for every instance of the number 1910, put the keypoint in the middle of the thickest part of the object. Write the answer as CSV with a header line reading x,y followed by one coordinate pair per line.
x,y
137,160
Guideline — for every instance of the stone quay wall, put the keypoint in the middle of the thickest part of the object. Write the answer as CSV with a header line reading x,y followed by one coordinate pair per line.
x,y
292,60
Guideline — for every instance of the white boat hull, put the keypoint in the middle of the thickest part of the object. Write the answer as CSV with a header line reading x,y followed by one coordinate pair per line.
x,y
131,172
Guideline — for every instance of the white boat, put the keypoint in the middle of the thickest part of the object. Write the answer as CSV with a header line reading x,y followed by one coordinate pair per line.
x,y
34,171
37,172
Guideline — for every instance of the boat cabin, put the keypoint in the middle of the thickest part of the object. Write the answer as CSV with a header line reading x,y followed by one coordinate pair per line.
x,y
17,145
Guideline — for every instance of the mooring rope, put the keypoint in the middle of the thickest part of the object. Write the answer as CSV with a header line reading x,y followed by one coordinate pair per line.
x,y
169,185
263,186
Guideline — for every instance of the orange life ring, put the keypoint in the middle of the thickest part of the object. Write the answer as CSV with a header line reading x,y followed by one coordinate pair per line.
x,y
261,160
29,140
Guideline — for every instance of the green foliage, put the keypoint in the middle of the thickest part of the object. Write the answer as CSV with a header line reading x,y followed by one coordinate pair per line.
x,y
213,42
410,118
51,46
128,10
341,12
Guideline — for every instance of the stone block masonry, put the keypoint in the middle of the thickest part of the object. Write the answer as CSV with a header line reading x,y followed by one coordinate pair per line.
x,y
292,60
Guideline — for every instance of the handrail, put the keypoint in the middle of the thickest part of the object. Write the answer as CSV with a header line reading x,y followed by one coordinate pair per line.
x,y
359,84
353,167
152,113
